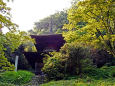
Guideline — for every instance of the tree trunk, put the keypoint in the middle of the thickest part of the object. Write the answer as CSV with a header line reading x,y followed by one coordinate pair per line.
x,y
79,67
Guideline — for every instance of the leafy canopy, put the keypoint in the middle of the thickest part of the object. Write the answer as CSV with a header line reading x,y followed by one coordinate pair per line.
x,y
99,30
12,39
50,24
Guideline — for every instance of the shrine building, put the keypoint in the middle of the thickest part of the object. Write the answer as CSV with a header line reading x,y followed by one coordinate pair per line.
x,y
44,44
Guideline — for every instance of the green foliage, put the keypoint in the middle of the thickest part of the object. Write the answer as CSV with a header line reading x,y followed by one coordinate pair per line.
x,y
9,43
110,70
15,43
6,84
100,73
20,77
16,38
70,36
77,58
5,17
81,82
92,77
50,24
12,39
99,29
72,59
96,73
5,21
53,68
5,65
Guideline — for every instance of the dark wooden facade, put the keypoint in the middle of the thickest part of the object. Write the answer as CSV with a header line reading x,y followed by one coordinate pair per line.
x,y
44,44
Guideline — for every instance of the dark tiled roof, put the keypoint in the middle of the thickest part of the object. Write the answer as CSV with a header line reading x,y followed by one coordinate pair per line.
x,y
44,41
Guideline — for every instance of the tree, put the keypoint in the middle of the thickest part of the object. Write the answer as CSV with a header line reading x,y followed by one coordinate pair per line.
x,y
4,22
50,24
5,17
72,59
17,38
77,58
16,44
12,39
99,30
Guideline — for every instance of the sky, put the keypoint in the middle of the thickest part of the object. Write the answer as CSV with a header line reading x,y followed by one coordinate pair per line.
x,y
26,12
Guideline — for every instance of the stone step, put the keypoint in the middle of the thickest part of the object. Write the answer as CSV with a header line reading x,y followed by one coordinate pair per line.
x,y
37,80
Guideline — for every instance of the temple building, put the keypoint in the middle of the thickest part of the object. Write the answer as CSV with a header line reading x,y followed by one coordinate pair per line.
x,y
44,44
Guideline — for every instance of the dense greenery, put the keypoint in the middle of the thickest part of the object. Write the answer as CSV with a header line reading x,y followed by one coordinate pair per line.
x,y
4,22
81,82
12,40
89,32
54,68
72,59
91,77
91,27
15,44
12,77
99,30
6,84
10,43
51,24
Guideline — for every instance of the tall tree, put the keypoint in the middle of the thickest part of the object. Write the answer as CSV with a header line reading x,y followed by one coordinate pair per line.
x,y
5,21
13,39
51,24
100,18
5,16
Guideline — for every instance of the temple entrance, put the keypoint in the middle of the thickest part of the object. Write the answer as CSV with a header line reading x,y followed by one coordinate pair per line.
x,y
38,67
44,44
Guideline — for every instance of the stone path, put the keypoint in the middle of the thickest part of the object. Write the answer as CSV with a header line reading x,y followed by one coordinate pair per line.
x,y
37,80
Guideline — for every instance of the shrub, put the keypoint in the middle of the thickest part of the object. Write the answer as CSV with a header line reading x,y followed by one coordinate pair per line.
x,y
100,73
6,84
71,60
96,73
110,70
77,58
102,57
53,68
80,82
4,64
13,77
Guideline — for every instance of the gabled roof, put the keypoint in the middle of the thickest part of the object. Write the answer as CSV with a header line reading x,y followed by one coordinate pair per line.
x,y
54,41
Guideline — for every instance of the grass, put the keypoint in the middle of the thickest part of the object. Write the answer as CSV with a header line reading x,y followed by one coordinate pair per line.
x,y
81,82
74,82
17,78
91,77
104,76
6,84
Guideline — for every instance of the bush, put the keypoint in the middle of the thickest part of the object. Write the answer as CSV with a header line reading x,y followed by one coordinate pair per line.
x,y
53,68
96,73
100,73
102,57
5,65
20,77
80,82
110,70
77,58
6,84
71,60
